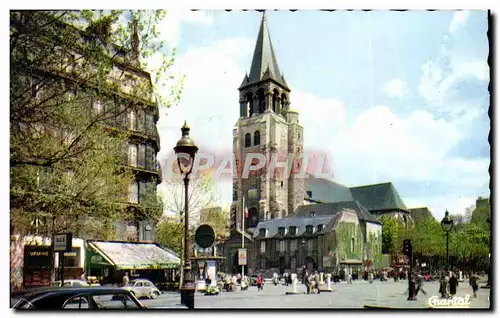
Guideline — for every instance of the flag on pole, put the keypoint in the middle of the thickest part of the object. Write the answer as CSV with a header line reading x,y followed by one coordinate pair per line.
x,y
246,212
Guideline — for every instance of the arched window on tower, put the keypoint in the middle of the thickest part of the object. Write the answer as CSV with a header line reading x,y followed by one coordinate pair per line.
x,y
248,140
283,102
249,97
275,100
256,138
262,100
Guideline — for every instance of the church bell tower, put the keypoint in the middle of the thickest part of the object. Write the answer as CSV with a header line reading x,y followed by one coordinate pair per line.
x,y
267,126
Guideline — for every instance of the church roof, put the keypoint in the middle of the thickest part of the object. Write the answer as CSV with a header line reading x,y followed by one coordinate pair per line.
x,y
330,209
378,197
299,222
264,62
323,190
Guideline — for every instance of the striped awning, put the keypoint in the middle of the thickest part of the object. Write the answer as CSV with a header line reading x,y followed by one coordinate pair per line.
x,y
126,255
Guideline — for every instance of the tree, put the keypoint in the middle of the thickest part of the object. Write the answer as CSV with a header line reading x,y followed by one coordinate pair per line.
x,y
201,195
218,219
170,233
72,87
390,229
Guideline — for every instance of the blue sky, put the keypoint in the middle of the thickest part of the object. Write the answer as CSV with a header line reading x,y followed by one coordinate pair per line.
x,y
391,96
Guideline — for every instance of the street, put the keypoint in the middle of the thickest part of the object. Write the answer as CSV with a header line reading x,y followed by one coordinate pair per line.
x,y
357,295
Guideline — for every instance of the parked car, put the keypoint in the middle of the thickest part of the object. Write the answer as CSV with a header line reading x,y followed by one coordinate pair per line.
x,y
143,288
80,298
70,283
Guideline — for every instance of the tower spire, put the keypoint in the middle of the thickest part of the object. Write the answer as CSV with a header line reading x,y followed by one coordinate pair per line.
x,y
264,58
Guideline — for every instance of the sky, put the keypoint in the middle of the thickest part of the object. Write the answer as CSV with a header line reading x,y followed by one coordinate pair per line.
x,y
390,96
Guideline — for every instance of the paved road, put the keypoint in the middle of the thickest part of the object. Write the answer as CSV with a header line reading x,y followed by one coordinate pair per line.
x,y
165,299
357,295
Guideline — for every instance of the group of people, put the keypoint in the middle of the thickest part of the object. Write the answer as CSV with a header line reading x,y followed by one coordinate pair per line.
x,y
448,284
231,282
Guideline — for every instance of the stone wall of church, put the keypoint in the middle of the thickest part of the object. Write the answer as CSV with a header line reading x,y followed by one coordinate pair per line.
x,y
296,189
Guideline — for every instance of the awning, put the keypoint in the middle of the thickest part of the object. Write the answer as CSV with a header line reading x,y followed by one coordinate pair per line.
x,y
126,256
351,262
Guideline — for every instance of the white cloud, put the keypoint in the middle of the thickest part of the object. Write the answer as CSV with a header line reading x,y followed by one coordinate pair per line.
x,y
459,19
395,88
169,27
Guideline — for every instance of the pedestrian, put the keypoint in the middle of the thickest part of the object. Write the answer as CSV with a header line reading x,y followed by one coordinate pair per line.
x,y
420,283
453,282
260,282
125,279
349,278
473,283
83,278
316,281
308,284
443,283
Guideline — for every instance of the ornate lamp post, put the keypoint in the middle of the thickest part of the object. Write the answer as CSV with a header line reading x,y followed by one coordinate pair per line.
x,y
186,151
447,225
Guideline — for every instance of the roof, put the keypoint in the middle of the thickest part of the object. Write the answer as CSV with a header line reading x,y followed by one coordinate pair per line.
x,y
264,62
299,222
33,293
126,255
419,214
377,197
333,208
323,190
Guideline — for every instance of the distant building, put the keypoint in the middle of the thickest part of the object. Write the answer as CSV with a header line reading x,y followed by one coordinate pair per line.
x,y
420,214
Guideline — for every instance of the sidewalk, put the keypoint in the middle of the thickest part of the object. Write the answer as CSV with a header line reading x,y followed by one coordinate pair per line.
x,y
399,301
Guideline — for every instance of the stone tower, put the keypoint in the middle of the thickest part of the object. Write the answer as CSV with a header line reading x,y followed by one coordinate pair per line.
x,y
267,126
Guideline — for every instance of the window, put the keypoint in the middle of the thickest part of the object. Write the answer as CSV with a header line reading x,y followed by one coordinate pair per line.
x,y
262,232
312,214
140,120
281,231
133,192
256,138
293,245
282,184
141,156
78,302
298,135
150,123
309,245
35,85
282,246
98,107
132,120
320,227
150,157
293,230
115,301
235,194
262,246
132,155
248,140
309,229
352,244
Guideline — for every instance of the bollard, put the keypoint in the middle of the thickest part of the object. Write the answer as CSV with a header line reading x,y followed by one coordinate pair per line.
x,y
294,285
328,282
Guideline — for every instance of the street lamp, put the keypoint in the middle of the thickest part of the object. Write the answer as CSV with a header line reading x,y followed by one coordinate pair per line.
x,y
186,151
447,225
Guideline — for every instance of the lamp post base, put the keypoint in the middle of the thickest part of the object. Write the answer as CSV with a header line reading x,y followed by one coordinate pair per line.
x,y
187,296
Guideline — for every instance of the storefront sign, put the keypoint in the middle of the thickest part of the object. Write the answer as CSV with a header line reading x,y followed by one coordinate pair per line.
x,y
63,242
37,257
242,256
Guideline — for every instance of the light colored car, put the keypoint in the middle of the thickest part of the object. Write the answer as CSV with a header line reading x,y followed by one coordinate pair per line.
x,y
143,288
70,283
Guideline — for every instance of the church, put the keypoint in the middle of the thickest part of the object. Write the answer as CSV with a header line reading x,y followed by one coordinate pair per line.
x,y
284,222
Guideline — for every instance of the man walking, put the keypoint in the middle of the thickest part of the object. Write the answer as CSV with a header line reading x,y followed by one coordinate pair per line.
x,y
316,281
473,283
453,284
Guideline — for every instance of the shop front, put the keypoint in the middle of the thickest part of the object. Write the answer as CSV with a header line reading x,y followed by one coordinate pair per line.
x,y
110,261
73,268
37,269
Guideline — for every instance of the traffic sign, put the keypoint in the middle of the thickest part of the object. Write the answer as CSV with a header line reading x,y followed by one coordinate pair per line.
x,y
205,236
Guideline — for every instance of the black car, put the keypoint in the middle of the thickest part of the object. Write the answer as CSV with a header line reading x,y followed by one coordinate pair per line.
x,y
79,298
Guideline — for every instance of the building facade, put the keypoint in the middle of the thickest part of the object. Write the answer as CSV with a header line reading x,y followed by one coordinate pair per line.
x,y
124,108
269,127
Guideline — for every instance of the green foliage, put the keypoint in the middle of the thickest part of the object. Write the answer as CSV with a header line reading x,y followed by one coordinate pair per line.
x,y
390,231
374,249
345,232
171,234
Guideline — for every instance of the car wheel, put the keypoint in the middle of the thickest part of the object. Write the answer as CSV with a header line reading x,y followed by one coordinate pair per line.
x,y
154,295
